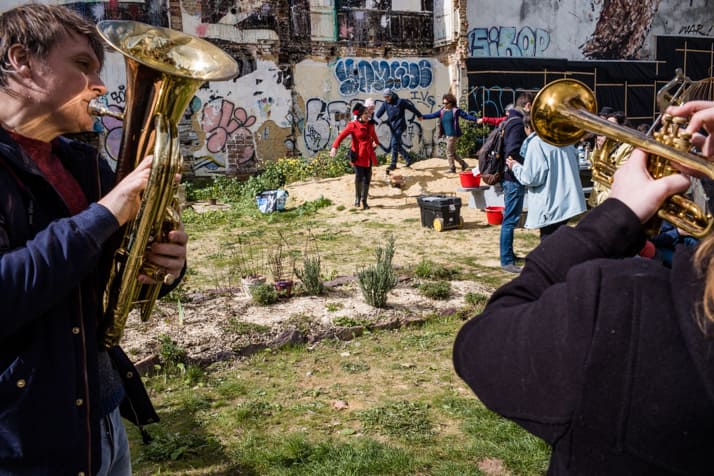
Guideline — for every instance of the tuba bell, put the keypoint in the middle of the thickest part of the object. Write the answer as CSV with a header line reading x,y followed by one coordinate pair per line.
x,y
565,110
164,69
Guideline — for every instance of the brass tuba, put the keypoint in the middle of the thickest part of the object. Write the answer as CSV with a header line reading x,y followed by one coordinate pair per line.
x,y
565,110
164,69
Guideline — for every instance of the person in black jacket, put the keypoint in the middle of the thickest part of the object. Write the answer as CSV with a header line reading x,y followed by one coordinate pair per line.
x,y
395,108
513,191
607,357
60,390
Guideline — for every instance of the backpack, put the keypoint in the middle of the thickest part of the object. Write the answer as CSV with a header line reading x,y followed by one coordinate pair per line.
x,y
491,162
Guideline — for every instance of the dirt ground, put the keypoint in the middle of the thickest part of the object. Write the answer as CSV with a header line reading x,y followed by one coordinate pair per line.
x,y
214,324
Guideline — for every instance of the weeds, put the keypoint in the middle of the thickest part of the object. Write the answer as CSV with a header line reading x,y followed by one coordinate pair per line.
x,y
476,299
427,269
436,290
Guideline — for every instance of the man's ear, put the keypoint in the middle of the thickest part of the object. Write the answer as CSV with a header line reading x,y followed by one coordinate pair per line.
x,y
19,60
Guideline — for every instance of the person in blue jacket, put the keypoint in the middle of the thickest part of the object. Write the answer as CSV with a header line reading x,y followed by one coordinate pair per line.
x,y
449,116
551,176
395,108
61,392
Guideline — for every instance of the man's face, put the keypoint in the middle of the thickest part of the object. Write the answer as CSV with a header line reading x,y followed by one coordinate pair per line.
x,y
388,98
66,81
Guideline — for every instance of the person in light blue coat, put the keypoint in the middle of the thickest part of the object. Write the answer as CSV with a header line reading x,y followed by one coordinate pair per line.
x,y
552,180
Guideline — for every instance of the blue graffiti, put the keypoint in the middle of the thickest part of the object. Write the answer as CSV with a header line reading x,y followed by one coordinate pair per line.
x,y
507,41
357,76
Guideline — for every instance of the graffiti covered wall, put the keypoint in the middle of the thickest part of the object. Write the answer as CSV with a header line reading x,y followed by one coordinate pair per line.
x,y
581,29
329,90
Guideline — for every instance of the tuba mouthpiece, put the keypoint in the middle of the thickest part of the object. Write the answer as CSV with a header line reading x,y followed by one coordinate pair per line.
x,y
96,108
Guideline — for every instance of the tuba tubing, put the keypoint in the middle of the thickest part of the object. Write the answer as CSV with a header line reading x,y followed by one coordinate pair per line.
x,y
164,69
564,111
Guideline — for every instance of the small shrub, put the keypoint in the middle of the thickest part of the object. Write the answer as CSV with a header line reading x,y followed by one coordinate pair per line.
x,y
264,294
378,279
423,269
472,138
436,290
309,275
170,353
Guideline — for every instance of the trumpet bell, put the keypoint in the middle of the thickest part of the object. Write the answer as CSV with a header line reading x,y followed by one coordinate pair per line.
x,y
546,117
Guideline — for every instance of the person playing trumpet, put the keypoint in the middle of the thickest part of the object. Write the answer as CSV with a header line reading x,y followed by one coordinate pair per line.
x,y
606,357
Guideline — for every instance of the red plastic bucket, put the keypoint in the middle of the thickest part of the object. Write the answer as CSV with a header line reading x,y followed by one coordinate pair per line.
x,y
469,180
494,215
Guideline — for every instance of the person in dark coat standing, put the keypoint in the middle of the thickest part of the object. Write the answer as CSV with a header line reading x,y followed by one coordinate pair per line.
x,y
395,108
363,157
61,391
607,357
513,191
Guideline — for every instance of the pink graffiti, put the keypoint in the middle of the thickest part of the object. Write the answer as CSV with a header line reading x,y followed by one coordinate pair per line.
x,y
201,30
224,123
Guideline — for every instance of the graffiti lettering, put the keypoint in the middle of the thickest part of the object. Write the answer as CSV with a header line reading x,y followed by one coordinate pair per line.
x,y
507,41
696,29
357,76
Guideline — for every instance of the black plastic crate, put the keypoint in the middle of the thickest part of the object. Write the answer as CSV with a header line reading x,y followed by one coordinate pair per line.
x,y
440,212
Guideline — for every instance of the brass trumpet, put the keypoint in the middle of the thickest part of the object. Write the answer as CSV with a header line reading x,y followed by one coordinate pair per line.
x,y
565,110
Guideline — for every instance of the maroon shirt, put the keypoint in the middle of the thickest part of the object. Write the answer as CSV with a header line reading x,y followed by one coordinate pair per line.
x,y
55,173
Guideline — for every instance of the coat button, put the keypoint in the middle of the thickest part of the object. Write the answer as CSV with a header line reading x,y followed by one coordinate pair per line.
x,y
79,402
21,383
75,330
129,374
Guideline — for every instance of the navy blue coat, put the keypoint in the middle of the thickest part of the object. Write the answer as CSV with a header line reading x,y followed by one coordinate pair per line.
x,y
513,136
601,358
53,270
395,113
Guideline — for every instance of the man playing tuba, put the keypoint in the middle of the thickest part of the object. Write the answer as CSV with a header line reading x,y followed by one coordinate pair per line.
x,y
60,390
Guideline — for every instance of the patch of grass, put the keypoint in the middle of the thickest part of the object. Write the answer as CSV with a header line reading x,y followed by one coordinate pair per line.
x,y
436,290
404,419
238,326
273,413
334,306
354,367
427,269
477,300
344,321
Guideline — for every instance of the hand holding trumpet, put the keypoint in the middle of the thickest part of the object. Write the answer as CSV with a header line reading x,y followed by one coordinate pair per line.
x,y
633,184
